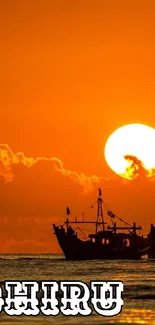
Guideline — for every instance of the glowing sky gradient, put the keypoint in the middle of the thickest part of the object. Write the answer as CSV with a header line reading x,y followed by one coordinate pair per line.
x,y
72,72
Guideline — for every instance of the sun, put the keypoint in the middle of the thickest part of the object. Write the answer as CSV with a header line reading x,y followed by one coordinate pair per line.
x,y
130,151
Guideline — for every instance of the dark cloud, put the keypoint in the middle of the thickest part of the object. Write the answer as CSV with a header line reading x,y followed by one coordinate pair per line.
x,y
136,168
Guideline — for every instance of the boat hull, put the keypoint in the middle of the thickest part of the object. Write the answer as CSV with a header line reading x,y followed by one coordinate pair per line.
x,y
77,249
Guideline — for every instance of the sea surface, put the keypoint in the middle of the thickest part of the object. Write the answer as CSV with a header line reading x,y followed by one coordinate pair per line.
x,y
138,278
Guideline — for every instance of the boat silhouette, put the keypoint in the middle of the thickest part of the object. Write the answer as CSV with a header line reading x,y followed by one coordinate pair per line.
x,y
107,241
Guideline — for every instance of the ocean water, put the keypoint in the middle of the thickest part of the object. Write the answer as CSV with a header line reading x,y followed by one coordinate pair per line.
x,y
138,278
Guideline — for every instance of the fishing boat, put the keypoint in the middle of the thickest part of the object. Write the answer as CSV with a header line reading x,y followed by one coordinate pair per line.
x,y
108,241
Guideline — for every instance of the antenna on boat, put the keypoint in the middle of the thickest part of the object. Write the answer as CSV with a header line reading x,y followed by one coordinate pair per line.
x,y
67,213
100,220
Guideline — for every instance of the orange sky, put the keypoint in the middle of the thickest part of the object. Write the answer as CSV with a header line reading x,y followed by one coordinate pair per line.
x,y
72,72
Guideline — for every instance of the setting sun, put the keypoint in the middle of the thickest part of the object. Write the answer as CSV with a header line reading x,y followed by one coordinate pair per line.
x,y
130,151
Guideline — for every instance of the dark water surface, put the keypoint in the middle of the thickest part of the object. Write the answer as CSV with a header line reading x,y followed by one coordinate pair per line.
x,y
138,278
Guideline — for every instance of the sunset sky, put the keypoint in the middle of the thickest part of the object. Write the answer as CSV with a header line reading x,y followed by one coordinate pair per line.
x,y
72,72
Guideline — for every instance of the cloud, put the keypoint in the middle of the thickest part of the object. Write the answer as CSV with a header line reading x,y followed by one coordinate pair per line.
x,y
8,159
136,169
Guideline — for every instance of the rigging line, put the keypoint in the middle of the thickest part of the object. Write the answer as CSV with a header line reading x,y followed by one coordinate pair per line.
x,y
82,213
126,223
116,215
105,205
87,209
82,233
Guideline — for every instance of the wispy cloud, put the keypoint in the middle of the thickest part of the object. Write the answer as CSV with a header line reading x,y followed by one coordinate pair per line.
x,y
8,158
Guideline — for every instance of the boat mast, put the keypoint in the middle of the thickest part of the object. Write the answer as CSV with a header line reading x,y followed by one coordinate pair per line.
x,y
100,220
